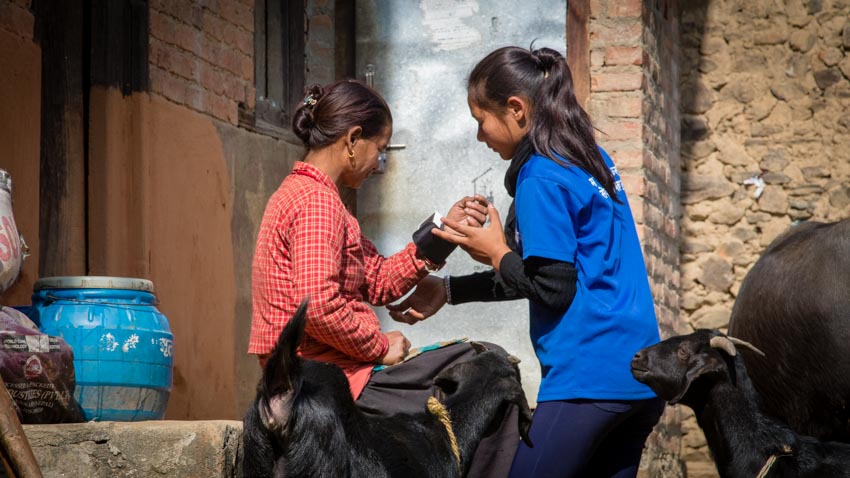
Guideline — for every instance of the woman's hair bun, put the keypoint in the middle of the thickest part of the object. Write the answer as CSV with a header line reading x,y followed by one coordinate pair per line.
x,y
328,113
547,58
303,120
312,95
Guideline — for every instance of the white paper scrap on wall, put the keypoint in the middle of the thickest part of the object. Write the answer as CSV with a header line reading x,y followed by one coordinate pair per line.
x,y
444,20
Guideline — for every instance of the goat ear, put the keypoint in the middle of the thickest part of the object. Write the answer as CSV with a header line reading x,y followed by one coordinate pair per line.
x,y
282,372
478,347
705,365
274,411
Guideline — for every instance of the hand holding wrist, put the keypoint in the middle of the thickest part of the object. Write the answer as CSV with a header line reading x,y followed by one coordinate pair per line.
x,y
498,254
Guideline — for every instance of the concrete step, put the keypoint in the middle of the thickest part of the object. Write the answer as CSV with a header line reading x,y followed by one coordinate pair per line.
x,y
176,449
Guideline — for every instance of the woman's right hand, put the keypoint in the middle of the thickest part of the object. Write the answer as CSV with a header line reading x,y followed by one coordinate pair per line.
x,y
484,244
399,347
469,210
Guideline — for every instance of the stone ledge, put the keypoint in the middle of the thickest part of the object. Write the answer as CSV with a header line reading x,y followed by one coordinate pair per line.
x,y
138,449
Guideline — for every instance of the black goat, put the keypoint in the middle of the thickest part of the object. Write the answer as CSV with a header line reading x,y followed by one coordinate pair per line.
x,y
794,304
304,422
703,371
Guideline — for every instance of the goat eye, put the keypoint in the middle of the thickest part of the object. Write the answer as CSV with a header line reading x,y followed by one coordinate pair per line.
x,y
683,354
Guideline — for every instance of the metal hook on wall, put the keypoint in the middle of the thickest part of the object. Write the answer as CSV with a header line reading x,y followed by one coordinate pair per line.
x,y
370,75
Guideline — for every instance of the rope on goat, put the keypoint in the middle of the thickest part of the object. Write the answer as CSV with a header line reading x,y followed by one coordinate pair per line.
x,y
770,461
439,410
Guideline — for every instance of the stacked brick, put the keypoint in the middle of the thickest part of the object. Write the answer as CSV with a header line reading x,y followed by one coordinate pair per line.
x,y
17,18
660,201
321,44
201,55
634,102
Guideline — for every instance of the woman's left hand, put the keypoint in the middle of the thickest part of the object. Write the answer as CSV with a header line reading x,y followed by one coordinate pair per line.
x,y
484,244
425,301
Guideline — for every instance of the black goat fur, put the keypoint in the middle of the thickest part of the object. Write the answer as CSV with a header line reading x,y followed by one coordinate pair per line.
x,y
304,422
794,304
689,370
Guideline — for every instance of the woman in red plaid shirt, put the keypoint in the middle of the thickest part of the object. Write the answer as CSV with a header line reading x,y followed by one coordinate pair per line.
x,y
309,245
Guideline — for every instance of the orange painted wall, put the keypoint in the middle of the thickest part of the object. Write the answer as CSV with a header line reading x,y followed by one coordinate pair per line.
x,y
160,209
163,183
20,126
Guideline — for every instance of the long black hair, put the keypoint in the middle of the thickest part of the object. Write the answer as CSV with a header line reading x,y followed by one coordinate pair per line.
x,y
559,125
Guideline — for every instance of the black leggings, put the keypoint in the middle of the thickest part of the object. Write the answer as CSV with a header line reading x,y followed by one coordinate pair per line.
x,y
587,438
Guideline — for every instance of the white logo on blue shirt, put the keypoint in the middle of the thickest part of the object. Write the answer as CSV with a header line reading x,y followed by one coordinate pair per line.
x,y
618,184
599,188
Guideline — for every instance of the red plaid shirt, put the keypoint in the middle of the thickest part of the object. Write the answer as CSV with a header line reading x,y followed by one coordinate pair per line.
x,y
310,245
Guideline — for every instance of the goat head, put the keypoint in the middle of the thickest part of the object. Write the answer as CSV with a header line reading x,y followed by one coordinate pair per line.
x,y
671,367
492,370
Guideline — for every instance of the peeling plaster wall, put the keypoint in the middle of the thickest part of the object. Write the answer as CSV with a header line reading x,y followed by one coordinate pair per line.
x,y
256,166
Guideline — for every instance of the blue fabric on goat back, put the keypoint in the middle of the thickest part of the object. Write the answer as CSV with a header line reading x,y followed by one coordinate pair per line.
x,y
123,346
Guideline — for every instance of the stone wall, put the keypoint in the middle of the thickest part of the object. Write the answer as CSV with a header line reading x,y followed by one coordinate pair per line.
x,y
209,449
765,97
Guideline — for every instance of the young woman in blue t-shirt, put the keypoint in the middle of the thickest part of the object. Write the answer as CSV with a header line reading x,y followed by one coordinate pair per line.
x,y
569,245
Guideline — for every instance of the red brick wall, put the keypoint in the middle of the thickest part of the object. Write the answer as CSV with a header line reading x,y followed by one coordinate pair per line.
x,y
661,162
202,56
634,102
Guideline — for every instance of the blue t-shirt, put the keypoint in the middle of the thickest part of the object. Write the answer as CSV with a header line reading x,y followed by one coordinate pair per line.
x,y
563,213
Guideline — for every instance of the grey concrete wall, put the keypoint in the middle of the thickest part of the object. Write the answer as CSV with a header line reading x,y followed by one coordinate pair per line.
x,y
257,164
422,54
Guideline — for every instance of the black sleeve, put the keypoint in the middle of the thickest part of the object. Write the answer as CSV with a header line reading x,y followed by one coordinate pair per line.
x,y
478,287
433,248
547,282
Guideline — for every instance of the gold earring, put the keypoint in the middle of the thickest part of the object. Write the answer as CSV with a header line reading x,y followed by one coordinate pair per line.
x,y
350,154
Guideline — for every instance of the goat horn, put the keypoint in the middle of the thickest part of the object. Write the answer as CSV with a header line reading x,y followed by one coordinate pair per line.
x,y
513,359
724,344
746,344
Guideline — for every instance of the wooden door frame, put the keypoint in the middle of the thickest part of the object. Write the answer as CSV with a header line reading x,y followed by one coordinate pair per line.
x,y
578,47
84,43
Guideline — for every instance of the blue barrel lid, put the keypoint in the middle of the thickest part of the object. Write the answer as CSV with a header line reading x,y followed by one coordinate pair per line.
x,y
93,282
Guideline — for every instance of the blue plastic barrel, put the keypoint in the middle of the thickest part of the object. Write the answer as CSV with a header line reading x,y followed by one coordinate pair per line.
x,y
122,343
